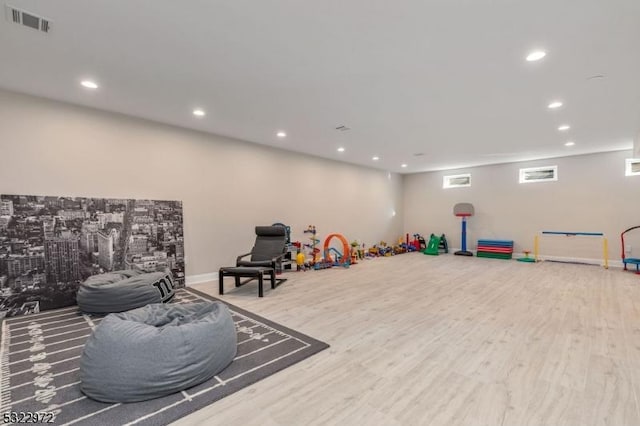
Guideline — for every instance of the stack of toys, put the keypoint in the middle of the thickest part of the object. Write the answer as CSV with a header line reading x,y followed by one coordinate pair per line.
x,y
495,249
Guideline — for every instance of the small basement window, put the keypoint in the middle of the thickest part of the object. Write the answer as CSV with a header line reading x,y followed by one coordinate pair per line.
x,y
632,167
539,174
456,181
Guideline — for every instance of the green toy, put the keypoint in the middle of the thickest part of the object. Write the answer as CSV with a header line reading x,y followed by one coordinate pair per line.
x,y
526,257
435,244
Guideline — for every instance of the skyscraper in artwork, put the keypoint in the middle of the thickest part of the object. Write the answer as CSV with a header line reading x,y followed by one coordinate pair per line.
x,y
62,260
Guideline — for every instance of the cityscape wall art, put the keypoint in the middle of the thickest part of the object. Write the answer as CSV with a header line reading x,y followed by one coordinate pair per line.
x,y
50,244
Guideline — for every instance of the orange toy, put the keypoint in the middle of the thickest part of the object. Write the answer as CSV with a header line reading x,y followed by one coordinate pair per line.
x,y
345,246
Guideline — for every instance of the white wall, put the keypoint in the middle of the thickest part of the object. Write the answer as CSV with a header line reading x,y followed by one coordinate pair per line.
x,y
227,186
591,195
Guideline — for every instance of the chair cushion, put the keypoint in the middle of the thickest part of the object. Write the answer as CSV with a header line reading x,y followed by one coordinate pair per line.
x,y
124,290
157,350
252,263
266,248
245,271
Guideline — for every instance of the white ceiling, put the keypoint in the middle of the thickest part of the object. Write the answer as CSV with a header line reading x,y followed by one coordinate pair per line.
x,y
446,78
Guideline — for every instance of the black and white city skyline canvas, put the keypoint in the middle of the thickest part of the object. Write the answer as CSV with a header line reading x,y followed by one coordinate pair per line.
x,y
50,244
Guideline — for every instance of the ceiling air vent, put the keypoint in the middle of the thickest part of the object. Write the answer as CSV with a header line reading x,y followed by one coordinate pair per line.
x,y
21,17
343,128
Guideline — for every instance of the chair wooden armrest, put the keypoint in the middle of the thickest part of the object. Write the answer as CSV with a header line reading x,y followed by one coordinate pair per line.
x,y
241,256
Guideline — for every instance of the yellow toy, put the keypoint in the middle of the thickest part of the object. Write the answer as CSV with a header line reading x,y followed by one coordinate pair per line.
x,y
300,261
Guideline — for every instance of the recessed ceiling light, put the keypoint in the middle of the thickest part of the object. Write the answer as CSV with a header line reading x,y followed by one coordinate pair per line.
x,y
341,149
564,127
403,166
536,55
199,112
569,143
555,104
376,158
89,84
281,134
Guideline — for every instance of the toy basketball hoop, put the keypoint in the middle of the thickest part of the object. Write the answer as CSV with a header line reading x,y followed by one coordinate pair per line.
x,y
463,210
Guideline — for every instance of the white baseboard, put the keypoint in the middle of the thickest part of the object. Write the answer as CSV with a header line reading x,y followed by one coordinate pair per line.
x,y
201,278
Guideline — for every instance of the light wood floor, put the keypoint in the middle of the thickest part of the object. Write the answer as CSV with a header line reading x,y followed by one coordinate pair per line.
x,y
446,340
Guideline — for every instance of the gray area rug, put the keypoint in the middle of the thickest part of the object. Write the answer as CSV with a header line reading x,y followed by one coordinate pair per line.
x,y
40,356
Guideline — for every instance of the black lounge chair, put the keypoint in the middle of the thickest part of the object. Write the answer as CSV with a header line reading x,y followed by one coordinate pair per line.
x,y
266,258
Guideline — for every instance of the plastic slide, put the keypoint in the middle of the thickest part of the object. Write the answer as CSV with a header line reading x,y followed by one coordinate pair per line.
x,y
432,247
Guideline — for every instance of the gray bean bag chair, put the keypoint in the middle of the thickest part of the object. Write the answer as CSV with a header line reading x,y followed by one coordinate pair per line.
x,y
156,351
121,291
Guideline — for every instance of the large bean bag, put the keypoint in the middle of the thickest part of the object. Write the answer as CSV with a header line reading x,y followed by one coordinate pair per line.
x,y
121,291
157,350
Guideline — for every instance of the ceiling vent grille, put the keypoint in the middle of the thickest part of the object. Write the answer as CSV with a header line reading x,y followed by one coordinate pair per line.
x,y
27,19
